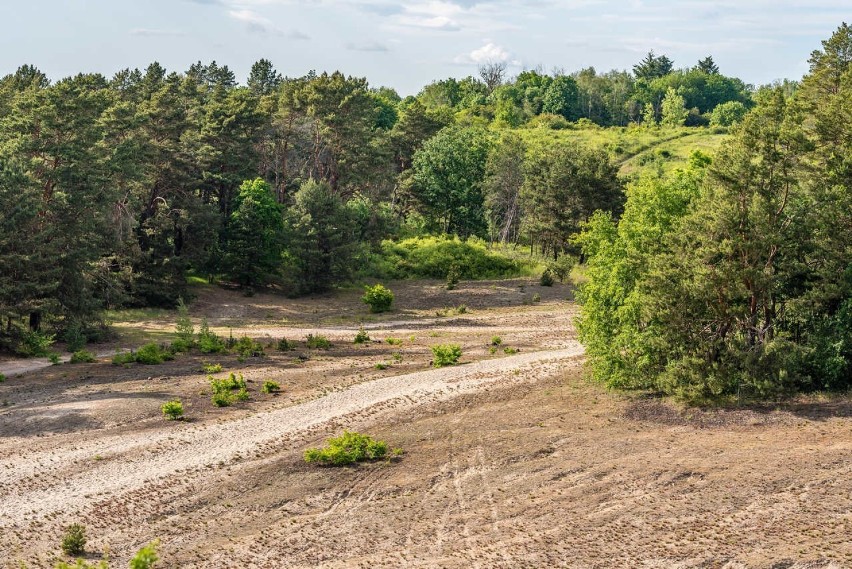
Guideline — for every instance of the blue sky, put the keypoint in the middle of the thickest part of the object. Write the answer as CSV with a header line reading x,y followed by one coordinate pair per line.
x,y
408,44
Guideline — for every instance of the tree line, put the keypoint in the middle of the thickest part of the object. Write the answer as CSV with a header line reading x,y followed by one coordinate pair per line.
x,y
733,277
113,190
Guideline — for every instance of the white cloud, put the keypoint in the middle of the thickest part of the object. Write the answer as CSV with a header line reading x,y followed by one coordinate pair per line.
x,y
252,19
489,53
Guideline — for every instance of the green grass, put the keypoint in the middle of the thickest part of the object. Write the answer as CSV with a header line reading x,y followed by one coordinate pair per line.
x,y
633,149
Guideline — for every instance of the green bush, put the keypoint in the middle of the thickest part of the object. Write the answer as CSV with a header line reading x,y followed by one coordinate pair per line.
x,y
270,387
184,330
211,368
536,297
378,298
242,394
124,358
433,257
54,358
496,340
246,347
2,378
223,389
82,357
382,366
446,354
172,410
285,345
510,351
453,276
562,267
208,341
35,344
362,337
74,540
318,342
347,449
151,354
546,278
393,341
222,398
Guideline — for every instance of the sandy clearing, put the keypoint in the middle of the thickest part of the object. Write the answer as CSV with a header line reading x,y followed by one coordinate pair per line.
x,y
39,483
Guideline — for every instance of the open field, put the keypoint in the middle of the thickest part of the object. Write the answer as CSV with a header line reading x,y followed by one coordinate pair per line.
x,y
634,149
511,460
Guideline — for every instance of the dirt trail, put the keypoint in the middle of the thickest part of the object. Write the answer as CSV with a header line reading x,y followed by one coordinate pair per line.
x,y
40,483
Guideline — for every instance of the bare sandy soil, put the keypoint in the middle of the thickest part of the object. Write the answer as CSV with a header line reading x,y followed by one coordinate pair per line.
x,y
511,460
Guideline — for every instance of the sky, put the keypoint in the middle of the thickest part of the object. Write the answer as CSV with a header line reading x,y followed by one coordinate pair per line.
x,y
406,45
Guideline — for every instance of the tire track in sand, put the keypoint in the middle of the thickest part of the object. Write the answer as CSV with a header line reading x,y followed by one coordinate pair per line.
x,y
174,452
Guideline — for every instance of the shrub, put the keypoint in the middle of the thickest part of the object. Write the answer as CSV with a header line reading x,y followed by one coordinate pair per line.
x,y
362,337
433,257
318,342
496,340
2,378
82,357
35,344
453,276
246,347
150,354
378,298
382,366
270,387
211,368
394,341
208,341
222,398
53,358
536,297
223,389
124,358
446,354
510,351
347,449
546,278
74,541
172,410
461,309
561,268
146,557
184,330
285,345
397,356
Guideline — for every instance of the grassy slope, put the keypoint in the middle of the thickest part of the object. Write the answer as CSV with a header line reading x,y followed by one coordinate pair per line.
x,y
633,149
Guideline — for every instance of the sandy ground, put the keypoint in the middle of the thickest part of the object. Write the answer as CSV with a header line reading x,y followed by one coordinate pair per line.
x,y
511,460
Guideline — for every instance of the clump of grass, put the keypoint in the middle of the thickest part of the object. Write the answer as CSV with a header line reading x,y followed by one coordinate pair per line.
x,y
270,387
397,356
53,358
318,342
394,341
285,345
496,340
347,449
74,540
382,366
362,337
510,351
82,357
546,278
172,410
536,297
446,355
